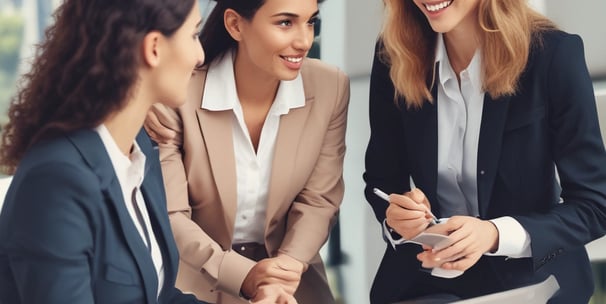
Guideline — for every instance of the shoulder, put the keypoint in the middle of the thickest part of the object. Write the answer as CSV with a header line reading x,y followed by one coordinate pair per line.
x,y
54,167
551,38
319,70
56,150
324,81
547,44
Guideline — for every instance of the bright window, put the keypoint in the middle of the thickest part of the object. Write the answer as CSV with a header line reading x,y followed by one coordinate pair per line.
x,y
22,25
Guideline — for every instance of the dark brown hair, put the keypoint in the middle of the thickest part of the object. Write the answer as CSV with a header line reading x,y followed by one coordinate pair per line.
x,y
214,37
85,68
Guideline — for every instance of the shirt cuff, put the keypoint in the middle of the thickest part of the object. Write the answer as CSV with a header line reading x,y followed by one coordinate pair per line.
x,y
514,240
233,270
390,236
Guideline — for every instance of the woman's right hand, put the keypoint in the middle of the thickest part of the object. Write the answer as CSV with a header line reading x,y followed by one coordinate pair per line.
x,y
281,270
155,129
408,214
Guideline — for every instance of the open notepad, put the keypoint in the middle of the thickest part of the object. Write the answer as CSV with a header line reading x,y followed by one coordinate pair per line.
x,y
436,241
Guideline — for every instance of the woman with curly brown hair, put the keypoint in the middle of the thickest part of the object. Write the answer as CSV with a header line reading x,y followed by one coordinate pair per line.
x,y
483,104
84,220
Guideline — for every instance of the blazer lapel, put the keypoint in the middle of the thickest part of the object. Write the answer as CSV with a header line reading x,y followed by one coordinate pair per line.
x,y
156,208
94,153
285,158
290,132
494,115
216,127
216,130
425,146
137,247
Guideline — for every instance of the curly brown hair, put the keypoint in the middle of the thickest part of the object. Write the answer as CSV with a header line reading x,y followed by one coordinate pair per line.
x,y
84,70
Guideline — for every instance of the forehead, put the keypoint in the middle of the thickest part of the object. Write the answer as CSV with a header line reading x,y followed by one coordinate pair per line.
x,y
302,8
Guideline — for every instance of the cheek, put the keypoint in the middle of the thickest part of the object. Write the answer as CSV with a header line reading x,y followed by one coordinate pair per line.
x,y
272,43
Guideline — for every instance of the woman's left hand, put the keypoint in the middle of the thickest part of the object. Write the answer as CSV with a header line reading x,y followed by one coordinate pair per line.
x,y
471,238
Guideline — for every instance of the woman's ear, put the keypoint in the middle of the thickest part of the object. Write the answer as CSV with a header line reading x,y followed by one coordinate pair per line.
x,y
233,24
151,48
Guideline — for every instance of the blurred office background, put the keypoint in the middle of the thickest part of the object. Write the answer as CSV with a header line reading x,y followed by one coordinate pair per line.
x,y
348,32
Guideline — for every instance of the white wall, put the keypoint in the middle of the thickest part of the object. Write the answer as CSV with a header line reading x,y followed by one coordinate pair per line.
x,y
585,18
349,30
348,35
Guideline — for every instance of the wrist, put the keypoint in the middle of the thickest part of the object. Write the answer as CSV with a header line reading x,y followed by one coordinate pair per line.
x,y
391,236
495,238
248,288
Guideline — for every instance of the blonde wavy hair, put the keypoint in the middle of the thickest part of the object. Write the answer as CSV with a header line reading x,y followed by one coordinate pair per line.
x,y
507,29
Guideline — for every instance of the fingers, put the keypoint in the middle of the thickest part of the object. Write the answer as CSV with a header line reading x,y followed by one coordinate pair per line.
x,y
406,202
419,197
408,223
462,264
156,130
271,294
471,238
287,262
281,271
278,275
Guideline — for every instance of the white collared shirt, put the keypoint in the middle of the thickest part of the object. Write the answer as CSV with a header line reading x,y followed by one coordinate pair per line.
x,y
253,170
130,173
459,120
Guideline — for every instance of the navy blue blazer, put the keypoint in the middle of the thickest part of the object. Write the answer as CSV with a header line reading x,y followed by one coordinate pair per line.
x,y
67,237
550,123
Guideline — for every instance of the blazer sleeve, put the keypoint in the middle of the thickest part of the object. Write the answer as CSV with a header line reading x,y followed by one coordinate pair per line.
x,y
385,160
314,209
579,155
178,297
196,248
52,238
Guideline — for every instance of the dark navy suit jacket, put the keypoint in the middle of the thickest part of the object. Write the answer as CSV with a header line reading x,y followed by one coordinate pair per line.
x,y
67,237
551,122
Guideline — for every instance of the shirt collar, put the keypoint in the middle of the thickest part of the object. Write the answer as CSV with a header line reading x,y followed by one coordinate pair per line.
x,y
220,91
129,171
445,70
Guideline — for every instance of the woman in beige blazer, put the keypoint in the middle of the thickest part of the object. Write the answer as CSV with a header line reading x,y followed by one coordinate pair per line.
x,y
253,161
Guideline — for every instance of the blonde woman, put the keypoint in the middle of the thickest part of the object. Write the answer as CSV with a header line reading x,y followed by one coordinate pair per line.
x,y
476,102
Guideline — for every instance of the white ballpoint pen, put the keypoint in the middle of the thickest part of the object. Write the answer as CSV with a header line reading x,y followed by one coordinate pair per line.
x,y
385,196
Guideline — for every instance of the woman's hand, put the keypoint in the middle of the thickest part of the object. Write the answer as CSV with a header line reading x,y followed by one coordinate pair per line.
x,y
154,127
471,238
281,270
273,294
408,214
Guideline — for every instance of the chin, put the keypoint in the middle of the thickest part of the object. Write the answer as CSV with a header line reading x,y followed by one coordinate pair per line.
x,y
175,102
441,27
292,75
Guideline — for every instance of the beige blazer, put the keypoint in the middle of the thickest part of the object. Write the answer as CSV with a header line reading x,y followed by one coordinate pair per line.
x,y
306,187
